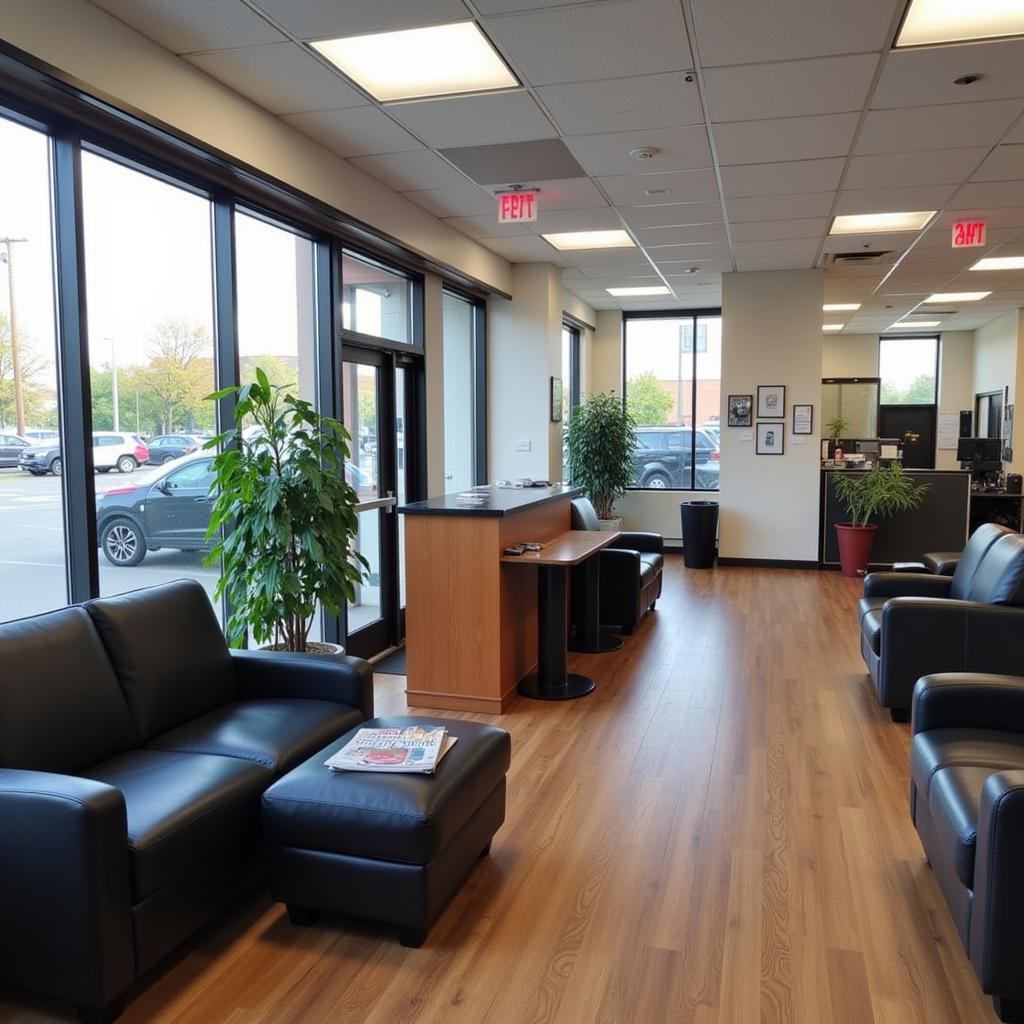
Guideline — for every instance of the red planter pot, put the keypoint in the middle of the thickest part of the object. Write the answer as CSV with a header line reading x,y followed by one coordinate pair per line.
x,y
855,547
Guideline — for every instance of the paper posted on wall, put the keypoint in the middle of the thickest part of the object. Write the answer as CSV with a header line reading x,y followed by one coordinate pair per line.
x,y
413,749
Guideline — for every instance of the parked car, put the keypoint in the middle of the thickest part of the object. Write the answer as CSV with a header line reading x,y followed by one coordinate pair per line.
x,y
11,447
35,436
165,447
123,452
663,457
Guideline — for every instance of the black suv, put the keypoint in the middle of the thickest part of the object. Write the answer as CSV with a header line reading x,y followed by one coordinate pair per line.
x,y
662,458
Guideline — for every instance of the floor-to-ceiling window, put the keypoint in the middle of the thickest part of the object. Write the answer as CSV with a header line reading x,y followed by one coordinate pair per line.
x,y
908,368
570,384
463,436
673,388
32,547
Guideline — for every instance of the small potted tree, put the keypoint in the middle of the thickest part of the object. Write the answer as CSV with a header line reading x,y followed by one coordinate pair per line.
x,y
874,494
834,429
285,517
601,439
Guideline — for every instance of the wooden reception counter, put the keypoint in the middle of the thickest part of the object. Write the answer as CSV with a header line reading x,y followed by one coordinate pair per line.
x,y
470,621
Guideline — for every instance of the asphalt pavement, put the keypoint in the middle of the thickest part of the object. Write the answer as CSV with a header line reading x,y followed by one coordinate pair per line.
x,y
32,565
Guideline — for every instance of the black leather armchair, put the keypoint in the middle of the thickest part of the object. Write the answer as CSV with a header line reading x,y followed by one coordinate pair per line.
x,y
913,624
630,572
967,803
134,750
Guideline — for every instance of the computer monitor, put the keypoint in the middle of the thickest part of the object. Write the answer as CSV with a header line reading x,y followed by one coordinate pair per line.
x,y
979,449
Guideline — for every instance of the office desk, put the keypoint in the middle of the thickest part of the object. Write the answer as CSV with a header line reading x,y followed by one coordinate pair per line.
x,y
996,507
554,560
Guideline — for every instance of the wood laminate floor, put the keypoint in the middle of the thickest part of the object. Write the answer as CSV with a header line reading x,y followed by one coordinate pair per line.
x,y
718,835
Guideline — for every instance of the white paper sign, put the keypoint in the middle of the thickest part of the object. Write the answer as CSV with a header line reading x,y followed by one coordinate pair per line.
x,y
949,431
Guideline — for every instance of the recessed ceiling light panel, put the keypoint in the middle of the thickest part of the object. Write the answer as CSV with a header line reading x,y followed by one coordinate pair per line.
x,y
1000,263
840,307
904,326
568,240
654,289
832,327
953,21
956,297
880,223
440,60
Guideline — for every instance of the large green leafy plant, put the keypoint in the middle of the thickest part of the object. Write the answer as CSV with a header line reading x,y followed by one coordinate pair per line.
x,y
878,493
285,516
601,439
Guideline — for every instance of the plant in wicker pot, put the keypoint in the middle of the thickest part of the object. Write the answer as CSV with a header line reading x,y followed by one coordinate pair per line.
x,y
285,517
875,494
601,438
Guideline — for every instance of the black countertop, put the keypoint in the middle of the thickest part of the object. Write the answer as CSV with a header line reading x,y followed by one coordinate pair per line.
x,y
498,501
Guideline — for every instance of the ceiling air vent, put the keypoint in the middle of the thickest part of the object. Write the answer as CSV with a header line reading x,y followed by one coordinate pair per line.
x,y
849,259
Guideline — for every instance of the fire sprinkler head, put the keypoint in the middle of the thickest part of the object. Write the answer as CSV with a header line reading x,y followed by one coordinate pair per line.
x,y
643,153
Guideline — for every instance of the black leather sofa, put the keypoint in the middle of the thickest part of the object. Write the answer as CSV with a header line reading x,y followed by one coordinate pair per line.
x,y
134,750
967,803
630,572
913,624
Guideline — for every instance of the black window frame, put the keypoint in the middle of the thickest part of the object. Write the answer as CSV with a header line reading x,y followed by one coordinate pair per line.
x,y
673,314
479,374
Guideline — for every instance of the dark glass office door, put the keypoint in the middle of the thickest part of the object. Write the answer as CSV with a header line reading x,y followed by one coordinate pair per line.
x,y
914,425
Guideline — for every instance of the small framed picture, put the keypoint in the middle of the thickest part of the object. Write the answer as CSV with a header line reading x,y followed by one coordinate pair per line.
x,y
771,401
556,399
740,408
770,438
803,419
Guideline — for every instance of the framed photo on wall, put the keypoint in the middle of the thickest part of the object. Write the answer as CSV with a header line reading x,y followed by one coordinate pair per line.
x,y
770,438
803,419
771,401
740,410
556,399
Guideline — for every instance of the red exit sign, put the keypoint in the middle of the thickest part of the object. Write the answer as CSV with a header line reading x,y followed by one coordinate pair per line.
x,y
516,207
968,234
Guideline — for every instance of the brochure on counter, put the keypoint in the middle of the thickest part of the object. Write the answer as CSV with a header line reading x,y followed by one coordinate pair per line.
x,y
413,749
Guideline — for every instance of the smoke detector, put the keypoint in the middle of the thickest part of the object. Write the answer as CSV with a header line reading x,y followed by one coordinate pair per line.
x,y
643,153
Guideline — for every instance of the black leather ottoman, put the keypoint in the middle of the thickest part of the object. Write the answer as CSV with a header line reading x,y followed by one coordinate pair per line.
x,y
385,846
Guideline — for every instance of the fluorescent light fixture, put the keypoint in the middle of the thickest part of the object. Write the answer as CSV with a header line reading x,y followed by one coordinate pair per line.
x,y
590,240
878,223
956,297
654,289
904,326
840,307
953,21
1000,263
832,327
440,60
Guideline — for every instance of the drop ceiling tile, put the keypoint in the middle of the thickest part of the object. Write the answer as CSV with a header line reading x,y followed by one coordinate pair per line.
x,y
789,89
509,163
789,138
988,193
618,280
563,44
405,172
790,178
681,234
597,219
927,167
1017,135
669,188
623,104
740,32
182,26
941,238
893,200
925,128
323,19
1005,217
804,247
464,201
361,131
697,253
922,77
753,231
567,194
1005,164
672,214
633,267
784,262
486,226
525,249
814,204
281,77
488,119
679,149
585,260
673,268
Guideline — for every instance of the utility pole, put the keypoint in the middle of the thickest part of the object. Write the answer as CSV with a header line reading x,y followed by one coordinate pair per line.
x,y
7,256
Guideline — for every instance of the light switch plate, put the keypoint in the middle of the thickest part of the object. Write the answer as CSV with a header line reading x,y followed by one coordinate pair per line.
x,y
521,446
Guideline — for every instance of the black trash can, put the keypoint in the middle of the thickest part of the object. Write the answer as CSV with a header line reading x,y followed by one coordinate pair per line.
x,y
700,532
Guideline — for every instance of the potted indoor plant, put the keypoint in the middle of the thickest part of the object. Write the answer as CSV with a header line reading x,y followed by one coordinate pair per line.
x,y
834,429
601,439
872,494
285,517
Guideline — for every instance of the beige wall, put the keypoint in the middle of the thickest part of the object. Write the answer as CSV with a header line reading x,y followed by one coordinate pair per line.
x,y
956,383
998,364
849,355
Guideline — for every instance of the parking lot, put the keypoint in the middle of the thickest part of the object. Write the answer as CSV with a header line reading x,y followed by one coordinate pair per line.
x,y
32,573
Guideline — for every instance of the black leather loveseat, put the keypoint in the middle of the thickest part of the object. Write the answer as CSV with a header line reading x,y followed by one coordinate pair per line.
x,y
967,803
913,624
134,750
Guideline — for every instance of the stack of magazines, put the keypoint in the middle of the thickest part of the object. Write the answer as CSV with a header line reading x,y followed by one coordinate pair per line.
x,y
413,749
